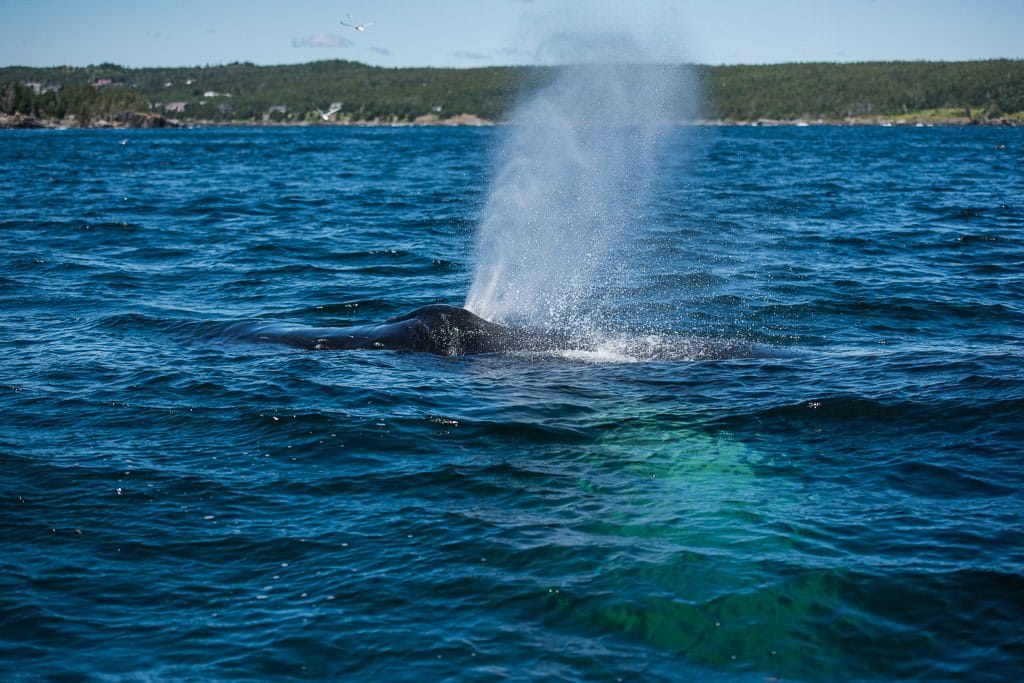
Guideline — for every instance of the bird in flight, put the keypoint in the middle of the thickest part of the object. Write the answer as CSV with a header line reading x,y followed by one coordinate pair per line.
x,y
331,111
358,27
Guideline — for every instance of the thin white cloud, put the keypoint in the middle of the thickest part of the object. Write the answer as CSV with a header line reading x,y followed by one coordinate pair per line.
x,y
322,40
512,52
469,54
381,51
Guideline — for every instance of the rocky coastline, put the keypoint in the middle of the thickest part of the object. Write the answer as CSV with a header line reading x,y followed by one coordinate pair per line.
x,y
127,120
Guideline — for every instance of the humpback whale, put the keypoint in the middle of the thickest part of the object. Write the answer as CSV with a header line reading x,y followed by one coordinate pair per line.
x,y
453,331
438,328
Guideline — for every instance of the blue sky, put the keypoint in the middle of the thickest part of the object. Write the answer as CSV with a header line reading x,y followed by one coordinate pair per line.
x,y
467,33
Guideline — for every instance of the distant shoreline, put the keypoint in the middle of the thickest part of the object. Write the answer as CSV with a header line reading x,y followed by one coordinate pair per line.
x,y
336,92
133,120
153,121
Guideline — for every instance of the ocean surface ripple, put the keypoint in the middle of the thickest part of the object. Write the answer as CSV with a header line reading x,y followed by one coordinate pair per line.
x,y
847,505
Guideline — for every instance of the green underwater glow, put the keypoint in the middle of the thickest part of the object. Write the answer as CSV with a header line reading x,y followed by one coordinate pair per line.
x,y
696,564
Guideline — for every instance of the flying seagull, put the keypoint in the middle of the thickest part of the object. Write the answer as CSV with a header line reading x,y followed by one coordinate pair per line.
x,y
326,115
358,27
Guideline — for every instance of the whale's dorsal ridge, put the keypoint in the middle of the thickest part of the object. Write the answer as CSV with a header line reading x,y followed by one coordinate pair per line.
x,y
431,310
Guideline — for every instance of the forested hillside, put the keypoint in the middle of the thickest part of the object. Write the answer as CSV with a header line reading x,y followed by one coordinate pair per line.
x,y
339,91
991,89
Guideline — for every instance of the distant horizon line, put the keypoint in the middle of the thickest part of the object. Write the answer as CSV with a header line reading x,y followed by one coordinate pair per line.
x,y
505,66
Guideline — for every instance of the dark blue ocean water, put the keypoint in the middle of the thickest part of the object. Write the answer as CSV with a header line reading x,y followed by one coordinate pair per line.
x,y
176,506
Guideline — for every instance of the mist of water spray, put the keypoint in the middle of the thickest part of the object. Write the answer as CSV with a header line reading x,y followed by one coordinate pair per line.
x,y
572,172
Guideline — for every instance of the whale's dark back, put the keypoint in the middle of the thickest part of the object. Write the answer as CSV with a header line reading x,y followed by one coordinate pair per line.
x,y
451,331
437,328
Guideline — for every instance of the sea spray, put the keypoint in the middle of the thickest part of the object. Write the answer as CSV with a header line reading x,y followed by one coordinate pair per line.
x,y
572,172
